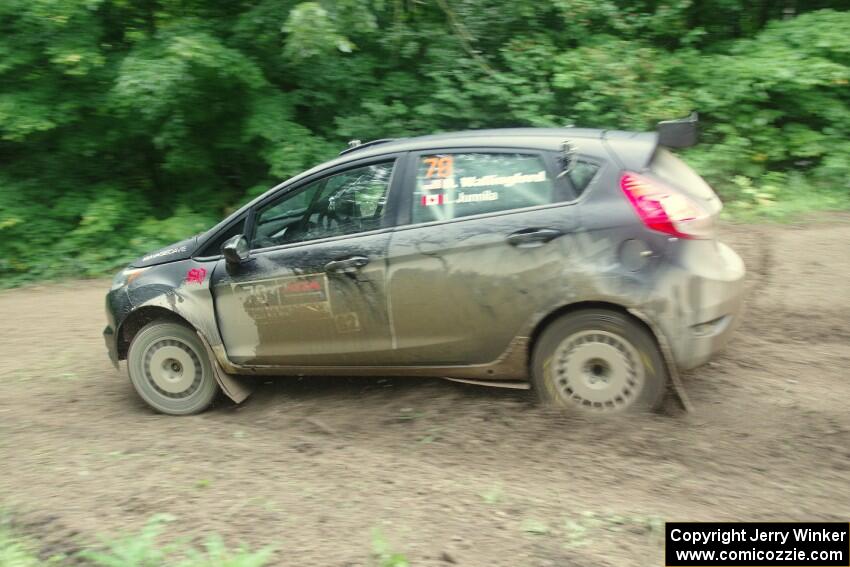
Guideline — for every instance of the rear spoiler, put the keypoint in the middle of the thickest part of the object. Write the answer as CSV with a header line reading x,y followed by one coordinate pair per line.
x,y
681,133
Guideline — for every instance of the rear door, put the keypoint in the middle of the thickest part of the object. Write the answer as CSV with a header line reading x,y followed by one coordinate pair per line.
x,y
313,292
476,257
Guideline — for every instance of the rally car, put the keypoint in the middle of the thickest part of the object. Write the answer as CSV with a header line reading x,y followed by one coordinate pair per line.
x,y
581,263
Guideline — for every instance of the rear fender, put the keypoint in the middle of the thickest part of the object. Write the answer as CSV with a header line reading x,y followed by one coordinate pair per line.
x,y
594,274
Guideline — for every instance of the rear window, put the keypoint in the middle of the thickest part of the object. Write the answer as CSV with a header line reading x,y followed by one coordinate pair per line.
x,y
454,185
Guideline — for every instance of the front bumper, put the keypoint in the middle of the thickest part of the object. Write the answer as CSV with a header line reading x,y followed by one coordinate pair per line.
x,y
704,297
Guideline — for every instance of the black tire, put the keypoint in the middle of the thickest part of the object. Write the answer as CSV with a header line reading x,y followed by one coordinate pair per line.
x,y
170,369
598,361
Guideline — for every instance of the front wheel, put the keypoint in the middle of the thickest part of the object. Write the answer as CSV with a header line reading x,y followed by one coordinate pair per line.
x,y
170,370
598,361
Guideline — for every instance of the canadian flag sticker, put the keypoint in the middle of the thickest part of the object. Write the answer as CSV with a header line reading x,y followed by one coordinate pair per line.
x,y
429,200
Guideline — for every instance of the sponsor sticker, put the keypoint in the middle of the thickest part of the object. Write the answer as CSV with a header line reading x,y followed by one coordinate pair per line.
x,y
442,199
196,276
166,252
304,297
440,177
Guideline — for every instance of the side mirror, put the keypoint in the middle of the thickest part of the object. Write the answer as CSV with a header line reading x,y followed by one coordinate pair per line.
x,y
235,250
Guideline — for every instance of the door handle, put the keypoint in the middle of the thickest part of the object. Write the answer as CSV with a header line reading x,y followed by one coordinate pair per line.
x,y
532,237
346,266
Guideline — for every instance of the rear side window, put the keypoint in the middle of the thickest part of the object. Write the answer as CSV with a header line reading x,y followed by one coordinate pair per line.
x,y
582,174
457,185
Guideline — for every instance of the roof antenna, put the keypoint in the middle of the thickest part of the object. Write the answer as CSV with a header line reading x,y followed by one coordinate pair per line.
x,y
353,144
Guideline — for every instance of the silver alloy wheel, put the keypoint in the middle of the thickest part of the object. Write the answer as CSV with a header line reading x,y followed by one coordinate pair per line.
x,y
598,370
172,368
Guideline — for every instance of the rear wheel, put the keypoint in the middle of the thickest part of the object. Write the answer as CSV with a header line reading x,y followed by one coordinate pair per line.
x,y
598,361
170,370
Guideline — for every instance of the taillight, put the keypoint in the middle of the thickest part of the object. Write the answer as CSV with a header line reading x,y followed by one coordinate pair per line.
x,y
664,209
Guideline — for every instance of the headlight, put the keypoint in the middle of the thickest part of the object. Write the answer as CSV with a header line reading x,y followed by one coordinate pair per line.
x,y
124,277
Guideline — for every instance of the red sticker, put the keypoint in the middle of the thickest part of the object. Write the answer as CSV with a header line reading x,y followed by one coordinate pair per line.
x,y
196,275
303,286
430,200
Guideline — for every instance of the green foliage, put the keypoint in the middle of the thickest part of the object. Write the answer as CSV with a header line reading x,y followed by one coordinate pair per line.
x,y
17,551
14,552
143,550
128,125
136,550
578,531
382,552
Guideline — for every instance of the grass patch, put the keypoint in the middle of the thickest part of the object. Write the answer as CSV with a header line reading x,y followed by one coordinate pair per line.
x,y
778,196
787,207
16,551
579,531
492,495
385,556
140,549
583,529
143,549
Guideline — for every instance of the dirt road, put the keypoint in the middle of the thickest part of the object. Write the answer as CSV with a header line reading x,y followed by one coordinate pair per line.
x,y
446,472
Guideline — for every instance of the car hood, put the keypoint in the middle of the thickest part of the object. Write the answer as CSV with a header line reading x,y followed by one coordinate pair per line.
x,y
171,253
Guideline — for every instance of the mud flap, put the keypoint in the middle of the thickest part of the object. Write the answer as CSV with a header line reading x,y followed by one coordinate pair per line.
x,y
234,387
672,369
675,379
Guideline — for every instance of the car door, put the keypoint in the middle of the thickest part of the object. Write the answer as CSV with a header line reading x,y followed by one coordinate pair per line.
x,y
478,252
313,291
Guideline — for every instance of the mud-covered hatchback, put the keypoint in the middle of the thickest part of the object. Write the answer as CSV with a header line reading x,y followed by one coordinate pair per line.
x,y
582,263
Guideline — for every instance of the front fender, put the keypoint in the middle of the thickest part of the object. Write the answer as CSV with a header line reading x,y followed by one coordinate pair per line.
x,y
183,288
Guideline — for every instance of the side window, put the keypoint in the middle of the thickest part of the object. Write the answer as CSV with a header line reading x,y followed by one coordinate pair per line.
x,y
462,184
582,174
346,203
